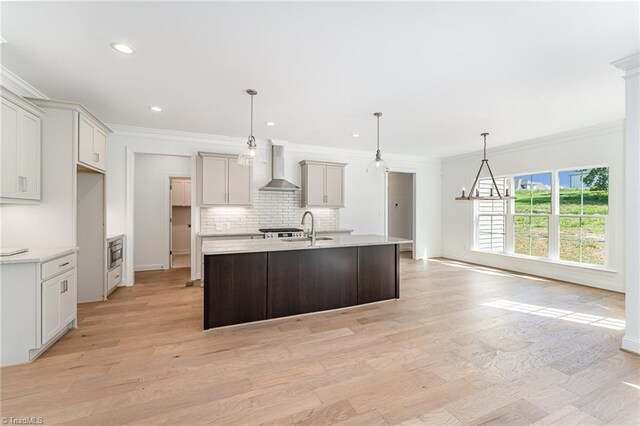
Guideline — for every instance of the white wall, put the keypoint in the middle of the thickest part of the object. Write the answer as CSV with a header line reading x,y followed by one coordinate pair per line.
x,y
597,145
152,201
400,206
364,194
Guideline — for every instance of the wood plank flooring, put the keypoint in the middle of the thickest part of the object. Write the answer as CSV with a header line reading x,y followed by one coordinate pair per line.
x,y
464,345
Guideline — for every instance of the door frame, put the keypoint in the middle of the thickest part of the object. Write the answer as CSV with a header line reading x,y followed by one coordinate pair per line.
x,y
414,174
169,212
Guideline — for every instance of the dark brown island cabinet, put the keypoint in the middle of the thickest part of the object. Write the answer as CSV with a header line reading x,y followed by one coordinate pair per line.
x,y
245,287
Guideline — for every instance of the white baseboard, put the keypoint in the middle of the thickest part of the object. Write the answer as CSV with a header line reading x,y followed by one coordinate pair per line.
x,y
142,268
629,344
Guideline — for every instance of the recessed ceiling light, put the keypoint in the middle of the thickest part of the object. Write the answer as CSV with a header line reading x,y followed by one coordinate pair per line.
x,y
123,48
270,123
356,135
155,108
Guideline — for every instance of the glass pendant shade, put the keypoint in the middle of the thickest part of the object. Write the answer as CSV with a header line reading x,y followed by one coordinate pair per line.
x,y
377,167
251,155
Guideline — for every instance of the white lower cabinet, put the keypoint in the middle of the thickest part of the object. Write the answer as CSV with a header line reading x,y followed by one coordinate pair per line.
x,y
114,277
36,309
59,300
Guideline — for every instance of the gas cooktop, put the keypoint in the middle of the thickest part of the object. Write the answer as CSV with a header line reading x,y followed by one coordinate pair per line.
x,y
272,230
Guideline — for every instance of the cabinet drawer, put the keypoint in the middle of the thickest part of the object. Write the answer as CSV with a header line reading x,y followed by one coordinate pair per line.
x,y
57,266
114,277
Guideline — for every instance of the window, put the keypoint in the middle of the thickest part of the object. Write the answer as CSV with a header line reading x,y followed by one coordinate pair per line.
x,y
491,218
584,206
557,215
531,214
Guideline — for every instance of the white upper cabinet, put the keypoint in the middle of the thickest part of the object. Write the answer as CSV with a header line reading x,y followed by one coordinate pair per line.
x,y
223,181
187,193
322,184
92,144
20,147
180,192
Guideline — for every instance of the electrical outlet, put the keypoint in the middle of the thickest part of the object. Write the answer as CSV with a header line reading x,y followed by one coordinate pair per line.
x,y
219,226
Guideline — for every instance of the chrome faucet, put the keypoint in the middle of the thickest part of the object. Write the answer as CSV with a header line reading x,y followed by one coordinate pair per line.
x,y
313,229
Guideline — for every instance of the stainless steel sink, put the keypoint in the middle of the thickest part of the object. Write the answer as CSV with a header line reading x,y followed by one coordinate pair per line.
x,y
294,240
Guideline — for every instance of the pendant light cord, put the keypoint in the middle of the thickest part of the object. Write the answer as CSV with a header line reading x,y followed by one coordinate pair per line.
x,y
251,115
485,146
378,130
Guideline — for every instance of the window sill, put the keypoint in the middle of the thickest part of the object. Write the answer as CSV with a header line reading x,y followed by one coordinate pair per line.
x,y
577,266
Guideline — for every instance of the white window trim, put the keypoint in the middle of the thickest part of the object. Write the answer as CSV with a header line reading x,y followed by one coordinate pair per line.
x,y
554,224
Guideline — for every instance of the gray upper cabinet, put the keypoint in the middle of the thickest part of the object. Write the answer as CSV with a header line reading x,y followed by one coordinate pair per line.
x,y
223,181
20,147
322,184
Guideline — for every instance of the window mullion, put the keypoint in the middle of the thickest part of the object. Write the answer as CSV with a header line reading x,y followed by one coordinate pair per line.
x,y
554,218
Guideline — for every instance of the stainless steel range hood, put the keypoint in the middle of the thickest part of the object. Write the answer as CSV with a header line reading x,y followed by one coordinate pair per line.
x,y
278,182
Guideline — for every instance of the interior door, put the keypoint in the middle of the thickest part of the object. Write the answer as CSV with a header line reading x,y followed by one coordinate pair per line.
x,y
214,180
334,179
29,156
171,228
315,185
239,183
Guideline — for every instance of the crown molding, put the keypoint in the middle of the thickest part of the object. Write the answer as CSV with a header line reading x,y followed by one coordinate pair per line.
x,y
554,139
11,81
233,141
73,106
630,65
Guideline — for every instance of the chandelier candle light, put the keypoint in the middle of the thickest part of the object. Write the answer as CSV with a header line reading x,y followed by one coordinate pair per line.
x,y
252,154
378,166
474,193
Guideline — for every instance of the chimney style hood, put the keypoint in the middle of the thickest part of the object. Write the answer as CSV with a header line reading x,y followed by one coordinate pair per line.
x,y
278,182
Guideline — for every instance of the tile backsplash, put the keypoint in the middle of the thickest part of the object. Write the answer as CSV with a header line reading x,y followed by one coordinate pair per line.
x,y
270,209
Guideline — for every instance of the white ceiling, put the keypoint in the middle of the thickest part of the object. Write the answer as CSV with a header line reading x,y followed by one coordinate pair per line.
x,y
441,72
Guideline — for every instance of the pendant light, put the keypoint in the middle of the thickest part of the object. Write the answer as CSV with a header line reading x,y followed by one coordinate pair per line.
x,y
378,166
252,155
474,193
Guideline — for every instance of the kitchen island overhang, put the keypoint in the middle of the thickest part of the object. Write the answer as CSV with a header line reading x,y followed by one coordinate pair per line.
x,y
254,280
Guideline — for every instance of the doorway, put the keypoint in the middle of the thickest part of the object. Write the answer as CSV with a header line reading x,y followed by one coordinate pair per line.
x,y
180,222
400,207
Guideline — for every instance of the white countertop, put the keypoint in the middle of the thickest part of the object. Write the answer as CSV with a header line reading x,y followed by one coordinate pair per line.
x,y
256,233
112,237
37,255
261,245
247,233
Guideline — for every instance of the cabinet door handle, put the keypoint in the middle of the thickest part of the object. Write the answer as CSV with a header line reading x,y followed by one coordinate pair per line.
x,y
117,276
62,265
64,286
22,180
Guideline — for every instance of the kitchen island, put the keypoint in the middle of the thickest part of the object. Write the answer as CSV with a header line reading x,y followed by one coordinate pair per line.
x,y
254,280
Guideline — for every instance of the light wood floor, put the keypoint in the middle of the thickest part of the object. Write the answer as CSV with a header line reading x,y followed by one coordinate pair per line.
x,y
464,345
